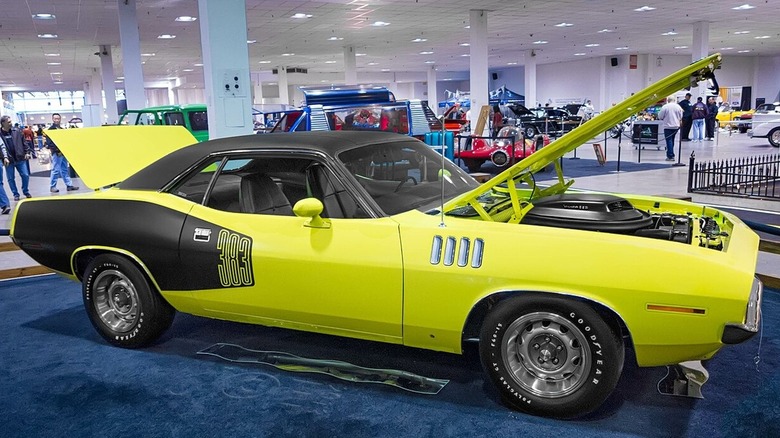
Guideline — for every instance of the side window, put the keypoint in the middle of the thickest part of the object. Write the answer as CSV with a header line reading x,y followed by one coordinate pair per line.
x,y
146,119
199,121
176,118
194,187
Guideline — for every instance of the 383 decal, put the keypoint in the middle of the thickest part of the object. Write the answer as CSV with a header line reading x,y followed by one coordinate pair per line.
x,y
235,259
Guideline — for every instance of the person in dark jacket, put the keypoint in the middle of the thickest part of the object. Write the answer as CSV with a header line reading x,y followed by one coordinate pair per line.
x,y
59,165
711,120
687,120
17,150
698,114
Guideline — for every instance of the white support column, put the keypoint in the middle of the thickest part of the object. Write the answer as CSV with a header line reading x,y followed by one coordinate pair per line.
x,y
109,89
131,54
478,74
350,66
652,65
433,91
700,48
226,67
284,85
603,103
172,95
257,89
529,78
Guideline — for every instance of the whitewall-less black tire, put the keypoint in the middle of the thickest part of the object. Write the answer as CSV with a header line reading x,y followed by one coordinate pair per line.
x,y
774,137
121,304
550,355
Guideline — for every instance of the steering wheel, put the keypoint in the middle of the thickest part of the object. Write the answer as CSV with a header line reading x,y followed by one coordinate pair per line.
x,y
404,182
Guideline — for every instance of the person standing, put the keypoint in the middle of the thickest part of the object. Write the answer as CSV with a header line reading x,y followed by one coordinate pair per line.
x,y
17,151
712,118
59,165
671,114
28,134
687,120
498,120
698,114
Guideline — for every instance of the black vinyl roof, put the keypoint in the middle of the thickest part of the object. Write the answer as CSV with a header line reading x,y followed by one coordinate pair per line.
x,y
331,143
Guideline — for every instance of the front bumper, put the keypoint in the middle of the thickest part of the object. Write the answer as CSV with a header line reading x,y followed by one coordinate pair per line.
x,y
734,333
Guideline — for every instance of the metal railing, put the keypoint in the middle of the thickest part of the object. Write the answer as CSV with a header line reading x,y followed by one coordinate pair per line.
x,y
755,177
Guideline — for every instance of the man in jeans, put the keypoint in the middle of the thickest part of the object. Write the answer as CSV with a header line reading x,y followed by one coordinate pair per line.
x,y
18,151
59,165
671,114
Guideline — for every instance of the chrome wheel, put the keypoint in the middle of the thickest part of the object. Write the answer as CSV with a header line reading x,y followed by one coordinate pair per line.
x,y
546,354
116,301
774,137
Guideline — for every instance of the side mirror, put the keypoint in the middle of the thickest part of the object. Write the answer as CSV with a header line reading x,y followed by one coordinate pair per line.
x,y
311,208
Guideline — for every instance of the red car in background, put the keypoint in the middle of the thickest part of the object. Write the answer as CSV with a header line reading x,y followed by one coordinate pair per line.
x,y
510,142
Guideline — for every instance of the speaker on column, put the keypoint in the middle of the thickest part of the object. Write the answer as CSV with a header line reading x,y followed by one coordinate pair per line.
x,y
495,76
613,61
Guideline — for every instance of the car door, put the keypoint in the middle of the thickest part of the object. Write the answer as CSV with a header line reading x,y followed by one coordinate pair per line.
x,y
255,261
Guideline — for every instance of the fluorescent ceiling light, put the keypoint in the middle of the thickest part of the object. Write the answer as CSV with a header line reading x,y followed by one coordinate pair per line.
x,y
426,53
56,73
466,54
645,9
419,40
201,65
564,24
57,83
743,51
579,54
385,69
118,81
166,36
251,41
511,63
188,69
592,45
726,48
373,63
680,47
741,32
465,27
670,33
464,44
762,37
288,54
430,62
51,54
380,24
606,30
47,35
186,18
148,54
330,62
744,7
540,42
44,16
53,63
264,62
335,38
301,15
621,48
360,54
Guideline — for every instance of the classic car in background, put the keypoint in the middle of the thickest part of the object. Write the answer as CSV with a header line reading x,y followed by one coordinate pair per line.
x,y
552,121
509,147
734,119
372,235
766,123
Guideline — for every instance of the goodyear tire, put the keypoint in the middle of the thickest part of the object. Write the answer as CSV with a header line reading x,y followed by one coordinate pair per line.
x,y
550,356
121,304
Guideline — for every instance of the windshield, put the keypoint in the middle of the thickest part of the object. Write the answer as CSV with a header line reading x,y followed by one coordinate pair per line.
x,y
404,175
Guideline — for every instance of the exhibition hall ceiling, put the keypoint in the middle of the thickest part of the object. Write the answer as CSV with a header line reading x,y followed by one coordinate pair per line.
x,y
58,53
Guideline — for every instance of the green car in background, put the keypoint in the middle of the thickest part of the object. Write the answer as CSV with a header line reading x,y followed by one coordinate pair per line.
x,y
192,116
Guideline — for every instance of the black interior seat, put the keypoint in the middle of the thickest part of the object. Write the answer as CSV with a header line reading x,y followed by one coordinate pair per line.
x,y
259,194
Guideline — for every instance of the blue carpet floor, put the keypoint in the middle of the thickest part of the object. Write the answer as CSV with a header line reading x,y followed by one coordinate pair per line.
x,y
59,379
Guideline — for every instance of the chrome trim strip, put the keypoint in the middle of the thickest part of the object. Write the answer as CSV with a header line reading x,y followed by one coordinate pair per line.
x,y
449,251
476,256
463,251
436,250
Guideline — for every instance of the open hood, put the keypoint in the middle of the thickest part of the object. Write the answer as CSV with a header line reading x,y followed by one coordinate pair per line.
x,y
135,147
523,172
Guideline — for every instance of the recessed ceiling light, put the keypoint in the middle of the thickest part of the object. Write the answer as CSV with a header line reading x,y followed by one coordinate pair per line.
x,y
511,63
148,54
762,37
670,33
645,9
264,62
741,32
426,53
360,54
335,38
51,54
288,54
419,40
606,30
680,47
251,41
330,62
430,62
380,23
743,51
621,48
592,45
564,24
540,42
166,36
579,54
44,16
53,63
47,35
744,7
186,18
